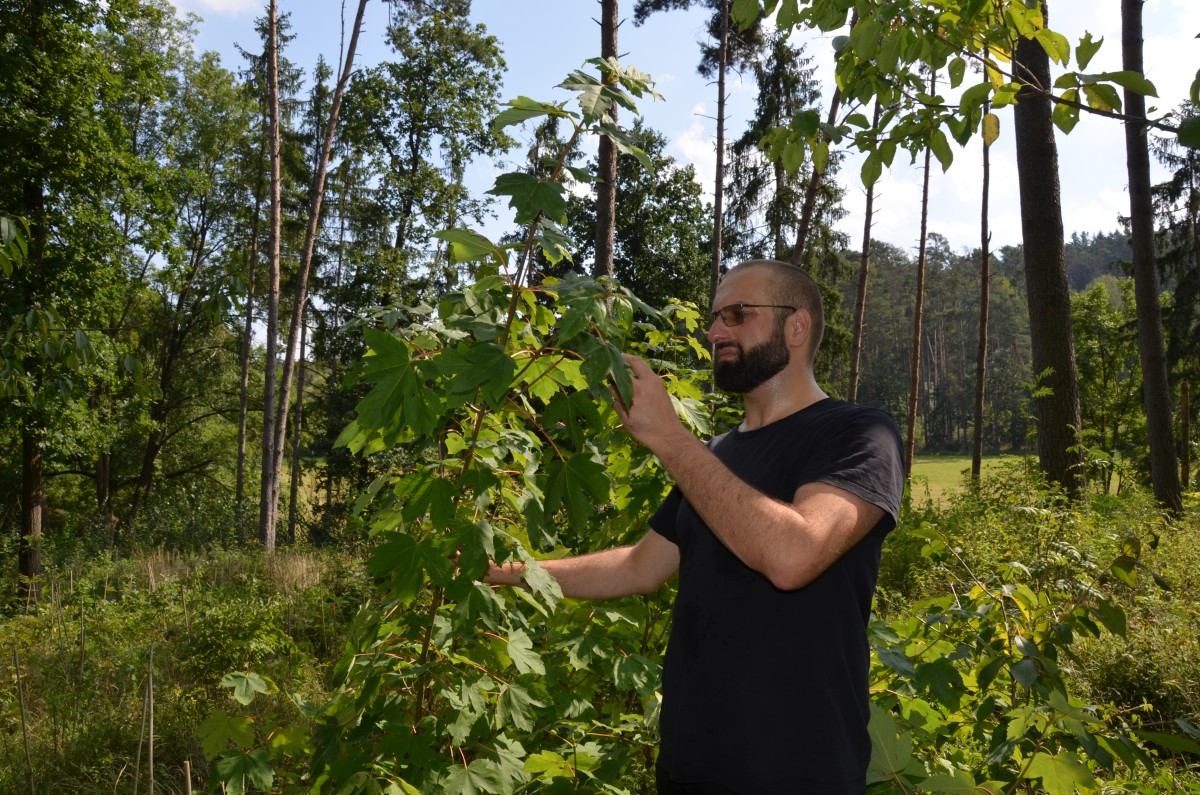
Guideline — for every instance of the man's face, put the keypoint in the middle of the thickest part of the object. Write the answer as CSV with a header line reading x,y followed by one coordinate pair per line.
x,y
752,352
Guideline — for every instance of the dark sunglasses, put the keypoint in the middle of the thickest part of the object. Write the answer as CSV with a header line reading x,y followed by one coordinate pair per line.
x,y
735,314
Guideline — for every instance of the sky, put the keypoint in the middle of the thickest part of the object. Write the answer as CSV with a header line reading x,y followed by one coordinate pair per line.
x,y
544,40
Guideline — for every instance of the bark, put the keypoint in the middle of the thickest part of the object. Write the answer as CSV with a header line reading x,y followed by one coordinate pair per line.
x,y
719,182
306,259
914,391
267,502
814,183
1049,295
297,430
1185,432
1156,393
33,498
864,270
985,293
606,187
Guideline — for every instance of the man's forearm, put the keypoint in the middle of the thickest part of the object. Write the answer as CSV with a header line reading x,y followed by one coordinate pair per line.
x,y
600,575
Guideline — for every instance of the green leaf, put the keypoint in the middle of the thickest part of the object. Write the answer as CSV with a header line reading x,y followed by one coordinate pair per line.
x,y
1061,773
529,196
548,765
1194,91
1055,45
957,68
244,685
253,768
1086,49
578,485
1102,97
891,750
403,562
941,148
219,730
515,707
633,671
872,169
520,650
1134,81
1067,116
481,775
1172,742
523,109
485,367
1189,133
961,783
467,245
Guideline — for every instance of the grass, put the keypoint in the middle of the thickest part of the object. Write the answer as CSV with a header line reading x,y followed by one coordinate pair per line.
x,y
935,476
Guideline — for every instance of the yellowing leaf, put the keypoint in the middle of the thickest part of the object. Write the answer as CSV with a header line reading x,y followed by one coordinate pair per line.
x,y
991,128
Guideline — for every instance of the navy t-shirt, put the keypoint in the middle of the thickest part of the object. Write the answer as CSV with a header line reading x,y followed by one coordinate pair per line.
x,y
765,690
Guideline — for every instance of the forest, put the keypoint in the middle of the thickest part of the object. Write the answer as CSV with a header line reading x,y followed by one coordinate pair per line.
x,y
271,400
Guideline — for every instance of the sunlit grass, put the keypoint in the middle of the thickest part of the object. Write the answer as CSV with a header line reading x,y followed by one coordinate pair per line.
x,y
935,476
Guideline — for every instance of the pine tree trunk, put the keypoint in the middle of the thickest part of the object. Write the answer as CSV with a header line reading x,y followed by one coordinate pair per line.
x,y
1156,393
985,294
606,186
300,298
267,500
864,270
297,430
32,500
914,392
1051,333
719,182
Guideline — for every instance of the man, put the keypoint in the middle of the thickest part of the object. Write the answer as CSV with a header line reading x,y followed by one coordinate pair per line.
x,y
775,530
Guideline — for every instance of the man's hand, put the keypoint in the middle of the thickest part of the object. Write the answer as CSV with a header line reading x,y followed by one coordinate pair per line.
x,y
650,417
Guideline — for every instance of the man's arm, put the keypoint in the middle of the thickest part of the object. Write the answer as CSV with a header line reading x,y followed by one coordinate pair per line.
x,y
789,543
641,568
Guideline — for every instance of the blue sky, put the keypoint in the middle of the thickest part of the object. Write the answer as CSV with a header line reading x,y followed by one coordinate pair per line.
x,y
544,40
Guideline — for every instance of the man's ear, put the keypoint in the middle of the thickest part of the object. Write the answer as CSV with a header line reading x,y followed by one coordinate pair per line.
x,y
799,328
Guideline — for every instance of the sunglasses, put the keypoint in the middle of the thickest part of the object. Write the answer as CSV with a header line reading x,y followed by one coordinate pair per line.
x,y
735,314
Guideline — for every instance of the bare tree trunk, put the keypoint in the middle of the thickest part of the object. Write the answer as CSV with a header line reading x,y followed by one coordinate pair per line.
x,y
297,430
864,270
1185,432
244,386
914,391
814,182
33,498
267,501
985,294
306,258
1049,295
1156,394
606,186
719,183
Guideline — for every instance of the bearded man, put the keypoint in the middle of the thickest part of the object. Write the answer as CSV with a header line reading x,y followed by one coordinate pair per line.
x,y
775,530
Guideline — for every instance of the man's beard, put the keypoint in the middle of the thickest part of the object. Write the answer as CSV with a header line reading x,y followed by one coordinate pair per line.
x,y
752,367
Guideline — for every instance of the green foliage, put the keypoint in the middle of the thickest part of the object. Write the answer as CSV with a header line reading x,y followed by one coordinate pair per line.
x,y
84,656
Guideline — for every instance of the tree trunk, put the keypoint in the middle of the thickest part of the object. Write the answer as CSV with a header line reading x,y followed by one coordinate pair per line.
x,y
32,500
606,186
719,182
267,501
306,259
985,294
914,391
1185,431
297,430
1051,334
1156,394
864,270
244,383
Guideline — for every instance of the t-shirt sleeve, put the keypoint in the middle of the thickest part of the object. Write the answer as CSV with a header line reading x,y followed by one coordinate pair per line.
x,y
663,520
867,460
